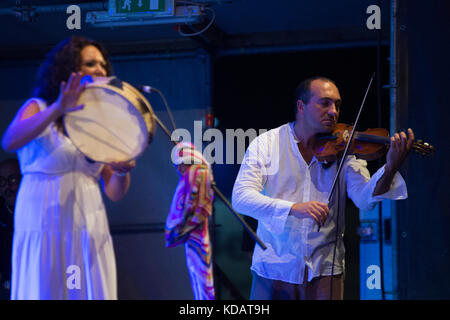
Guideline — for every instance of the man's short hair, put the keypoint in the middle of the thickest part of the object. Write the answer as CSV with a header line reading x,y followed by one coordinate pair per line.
x,y
303,90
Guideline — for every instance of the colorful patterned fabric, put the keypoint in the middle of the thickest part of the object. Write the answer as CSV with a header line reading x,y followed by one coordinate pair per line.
x,y
187,222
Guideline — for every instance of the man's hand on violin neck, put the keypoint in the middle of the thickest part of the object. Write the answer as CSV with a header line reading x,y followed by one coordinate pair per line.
x,y
312,209
398,150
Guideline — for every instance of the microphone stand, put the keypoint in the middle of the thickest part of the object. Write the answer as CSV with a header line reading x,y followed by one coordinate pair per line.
x,y
217,191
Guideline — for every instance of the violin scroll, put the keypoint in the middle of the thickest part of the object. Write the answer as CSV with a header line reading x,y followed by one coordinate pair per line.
x,y
423,148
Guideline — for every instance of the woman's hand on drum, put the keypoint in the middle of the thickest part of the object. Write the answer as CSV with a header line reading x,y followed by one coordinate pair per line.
x,y
122,168
69,93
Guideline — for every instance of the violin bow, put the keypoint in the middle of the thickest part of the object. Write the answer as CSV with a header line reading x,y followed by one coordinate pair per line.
x,y
341,162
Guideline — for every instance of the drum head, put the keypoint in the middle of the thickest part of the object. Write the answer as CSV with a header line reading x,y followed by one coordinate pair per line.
x,y
115,125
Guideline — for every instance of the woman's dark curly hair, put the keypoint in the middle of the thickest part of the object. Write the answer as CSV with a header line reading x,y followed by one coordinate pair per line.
x,y
59,63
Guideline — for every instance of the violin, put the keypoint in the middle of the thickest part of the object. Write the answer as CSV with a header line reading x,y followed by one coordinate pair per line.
x,y
368,145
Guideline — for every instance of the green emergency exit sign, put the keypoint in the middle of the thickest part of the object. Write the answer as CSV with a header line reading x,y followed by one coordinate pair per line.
x,y
135,6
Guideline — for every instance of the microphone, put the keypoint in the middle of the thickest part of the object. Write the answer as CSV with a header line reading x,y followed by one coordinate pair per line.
x,y
146,89
149,90
87,79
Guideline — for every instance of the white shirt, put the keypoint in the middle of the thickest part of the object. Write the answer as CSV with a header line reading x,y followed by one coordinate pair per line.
x,y
272,177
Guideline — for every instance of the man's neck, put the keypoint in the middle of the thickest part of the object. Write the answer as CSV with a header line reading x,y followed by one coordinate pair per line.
x,y
304,135
306,141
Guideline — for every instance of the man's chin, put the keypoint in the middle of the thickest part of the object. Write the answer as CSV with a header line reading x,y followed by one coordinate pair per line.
x,y
327,128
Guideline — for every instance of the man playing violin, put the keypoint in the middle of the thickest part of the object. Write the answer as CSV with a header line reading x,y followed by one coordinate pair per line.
x,y
292,200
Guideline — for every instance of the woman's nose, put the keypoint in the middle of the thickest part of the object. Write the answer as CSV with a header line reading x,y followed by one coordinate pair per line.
x,y
99,70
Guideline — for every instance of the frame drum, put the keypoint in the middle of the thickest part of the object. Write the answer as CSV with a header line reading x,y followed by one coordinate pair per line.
x,y
116,124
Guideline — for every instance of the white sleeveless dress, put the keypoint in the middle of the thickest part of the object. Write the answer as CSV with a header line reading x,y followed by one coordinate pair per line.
x,y
62,247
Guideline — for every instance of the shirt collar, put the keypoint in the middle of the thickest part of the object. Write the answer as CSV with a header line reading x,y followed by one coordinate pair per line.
x,y
293,135
294,138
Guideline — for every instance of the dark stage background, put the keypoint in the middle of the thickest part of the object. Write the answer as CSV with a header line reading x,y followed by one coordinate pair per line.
x,y
424,80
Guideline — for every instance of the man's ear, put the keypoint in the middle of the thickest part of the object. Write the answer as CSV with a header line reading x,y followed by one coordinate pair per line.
x,y
300,105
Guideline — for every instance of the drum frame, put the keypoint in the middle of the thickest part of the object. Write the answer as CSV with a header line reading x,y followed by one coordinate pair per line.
x,y
142,105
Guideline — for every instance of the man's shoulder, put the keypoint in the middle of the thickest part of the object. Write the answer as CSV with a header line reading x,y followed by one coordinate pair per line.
x,y
273,133
266,141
